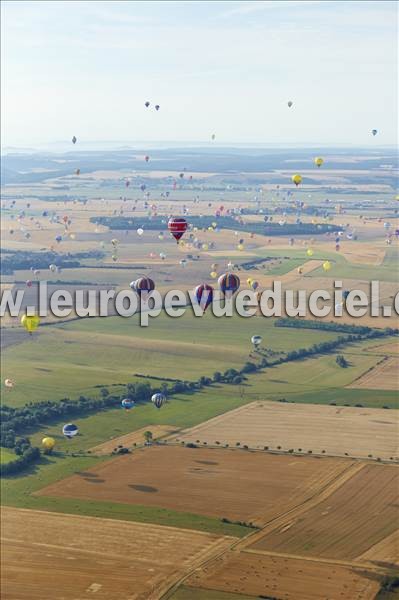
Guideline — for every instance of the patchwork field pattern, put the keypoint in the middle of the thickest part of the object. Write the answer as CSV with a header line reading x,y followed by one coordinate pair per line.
x,y
95,558
218,483
358,432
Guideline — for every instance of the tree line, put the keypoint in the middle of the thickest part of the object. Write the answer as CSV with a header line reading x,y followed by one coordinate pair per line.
x,y
16,421
332,326
225,222
22,260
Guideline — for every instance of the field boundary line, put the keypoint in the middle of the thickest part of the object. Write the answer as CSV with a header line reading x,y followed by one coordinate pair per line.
x,y
241,544
320,495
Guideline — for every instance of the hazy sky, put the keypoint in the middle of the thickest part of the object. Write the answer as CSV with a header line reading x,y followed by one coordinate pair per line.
x,y
229,68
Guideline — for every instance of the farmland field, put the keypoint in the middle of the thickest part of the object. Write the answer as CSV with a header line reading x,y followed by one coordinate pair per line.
x,y
70,359
328,429
87,556
384,376
217,483
282,577
211,522
346,524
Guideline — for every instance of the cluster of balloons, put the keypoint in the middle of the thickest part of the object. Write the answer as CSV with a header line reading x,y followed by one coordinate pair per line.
x,y
148,104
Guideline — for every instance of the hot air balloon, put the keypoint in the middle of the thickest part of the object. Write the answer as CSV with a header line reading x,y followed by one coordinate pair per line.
x,y
158,399
140,231
146,158
48,443
177,227
77,171
53,268
213,136
74,140
70,430
290,103
326,265
318,161
254,285
30,323
309,252
300,270
9,384
157,107
146,104
127,404
58,239
297,179
374,131
29,283
229,283
143,286
204,295
256,340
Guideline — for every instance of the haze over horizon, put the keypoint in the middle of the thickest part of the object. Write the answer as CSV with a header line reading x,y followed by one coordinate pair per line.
x,y
223,68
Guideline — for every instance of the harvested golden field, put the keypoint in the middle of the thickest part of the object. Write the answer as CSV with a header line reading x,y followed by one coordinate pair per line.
x,y
384,376
269,576
239,485
357,431
130,439
357,515
390,348
386,551
49,556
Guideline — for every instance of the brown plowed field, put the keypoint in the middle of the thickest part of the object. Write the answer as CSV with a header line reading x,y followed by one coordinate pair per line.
x,y
49,556
283,578
357,431
384,376
236,484
360,513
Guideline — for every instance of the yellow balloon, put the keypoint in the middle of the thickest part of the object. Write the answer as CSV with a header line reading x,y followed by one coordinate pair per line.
x,y
30,323
327,265
48,443
214,224
205,246
309,252
297,179
249,281
240,247
318,161
214,274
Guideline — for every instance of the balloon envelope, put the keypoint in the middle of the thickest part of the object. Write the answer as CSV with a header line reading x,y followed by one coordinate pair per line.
x,y
48,443
70,430
158,399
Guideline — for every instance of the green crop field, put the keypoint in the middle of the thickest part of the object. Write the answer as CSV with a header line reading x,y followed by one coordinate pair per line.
x,y
69,360
188,593
7,456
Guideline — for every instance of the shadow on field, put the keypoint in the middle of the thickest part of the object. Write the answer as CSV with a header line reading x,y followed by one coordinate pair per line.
x,y
144,488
